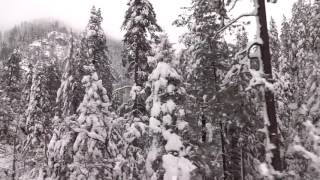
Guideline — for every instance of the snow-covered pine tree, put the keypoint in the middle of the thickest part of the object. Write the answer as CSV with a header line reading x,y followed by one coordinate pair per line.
x,y
286,71
71,92
306,142
299,35
91,156
203,23
299,62
93,51
242,109
168,156
69,96
82,147
141,27
11,87
94,47
163,51
140,23
285,40
11,105
41,102
274,44
283,76
304,64
237,128
131,160
285,59
37,94
12,73
208,53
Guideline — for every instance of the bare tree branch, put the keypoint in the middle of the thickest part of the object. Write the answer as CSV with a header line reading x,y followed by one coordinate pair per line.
x,y
232,22
121,88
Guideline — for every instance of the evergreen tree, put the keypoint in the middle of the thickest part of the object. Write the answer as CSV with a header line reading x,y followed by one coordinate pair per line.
x,y
92,53
204,71
94,49
305,146
69,96
40,105
42,100
71,92
238,128
92,125
274,44
303,58
168,156
12,105
80,150
283,77
298,35
11,87
243,110
140,22
163,51
285,38
141,27
68,99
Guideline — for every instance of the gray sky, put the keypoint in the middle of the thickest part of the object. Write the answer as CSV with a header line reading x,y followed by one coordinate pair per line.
x,y
76,12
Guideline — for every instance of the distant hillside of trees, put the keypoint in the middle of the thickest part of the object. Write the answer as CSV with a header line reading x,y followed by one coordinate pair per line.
x,y
23,34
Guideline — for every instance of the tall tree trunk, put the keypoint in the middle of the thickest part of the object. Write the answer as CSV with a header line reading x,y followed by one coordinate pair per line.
x,y
14,154
203,126
224,163
46,149
269,97
234,152
243,168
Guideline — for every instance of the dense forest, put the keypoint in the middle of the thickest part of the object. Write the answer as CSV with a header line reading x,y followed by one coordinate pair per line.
x,y
81,105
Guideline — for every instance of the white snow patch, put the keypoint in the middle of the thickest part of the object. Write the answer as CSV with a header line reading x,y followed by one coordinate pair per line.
x,y
154,124
134,91
167,120
156,108
182,125
163,70
35,44
171,106
151,157
174,142
177,167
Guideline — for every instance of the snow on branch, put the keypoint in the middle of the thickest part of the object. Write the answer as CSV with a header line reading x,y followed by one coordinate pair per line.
x,y
314,154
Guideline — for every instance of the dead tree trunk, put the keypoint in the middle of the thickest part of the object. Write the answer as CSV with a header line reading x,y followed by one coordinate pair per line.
x,y
269,97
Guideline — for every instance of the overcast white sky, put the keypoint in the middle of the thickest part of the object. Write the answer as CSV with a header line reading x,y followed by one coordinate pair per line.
x,y
76,12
